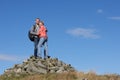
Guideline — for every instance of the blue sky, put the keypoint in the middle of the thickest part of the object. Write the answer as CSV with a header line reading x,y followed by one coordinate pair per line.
x,y
83,33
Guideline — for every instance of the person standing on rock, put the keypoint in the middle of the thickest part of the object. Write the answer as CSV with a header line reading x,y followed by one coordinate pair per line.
x,y
43,39
33,31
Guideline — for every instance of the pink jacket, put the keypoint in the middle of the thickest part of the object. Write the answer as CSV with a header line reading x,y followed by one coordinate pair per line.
x,y
42,32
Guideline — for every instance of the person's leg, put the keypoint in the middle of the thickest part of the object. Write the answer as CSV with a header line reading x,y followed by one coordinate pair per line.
x,y
46,49
40,45
35,46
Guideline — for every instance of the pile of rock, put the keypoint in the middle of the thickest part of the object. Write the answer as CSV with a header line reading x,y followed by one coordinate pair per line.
x,y
38,66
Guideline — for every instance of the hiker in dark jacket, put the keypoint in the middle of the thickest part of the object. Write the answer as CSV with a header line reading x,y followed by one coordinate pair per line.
x,y
34,30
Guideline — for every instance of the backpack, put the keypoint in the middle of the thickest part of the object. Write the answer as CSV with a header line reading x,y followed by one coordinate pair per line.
x,y
31,36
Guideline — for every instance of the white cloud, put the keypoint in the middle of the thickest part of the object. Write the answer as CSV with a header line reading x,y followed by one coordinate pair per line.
x,y
8,58
99,11
82,32
114,18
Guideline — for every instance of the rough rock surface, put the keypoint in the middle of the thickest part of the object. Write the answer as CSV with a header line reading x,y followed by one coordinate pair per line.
x,y
40,66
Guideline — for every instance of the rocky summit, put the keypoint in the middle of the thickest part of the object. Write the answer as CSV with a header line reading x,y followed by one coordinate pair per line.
x,y
40,66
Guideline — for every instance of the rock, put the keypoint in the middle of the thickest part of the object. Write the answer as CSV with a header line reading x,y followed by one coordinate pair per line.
x,y
61,69
51,71
59,63
18,70
39,65
19,65
7,70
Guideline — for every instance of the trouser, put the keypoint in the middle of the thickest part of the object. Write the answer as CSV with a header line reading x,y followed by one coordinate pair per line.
x,y
43,42
36,40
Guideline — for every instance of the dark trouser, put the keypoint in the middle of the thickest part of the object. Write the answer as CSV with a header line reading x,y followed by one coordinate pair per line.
x,y
36,40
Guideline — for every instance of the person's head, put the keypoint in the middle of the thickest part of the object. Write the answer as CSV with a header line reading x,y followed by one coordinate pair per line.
x,y
41,23
37,20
